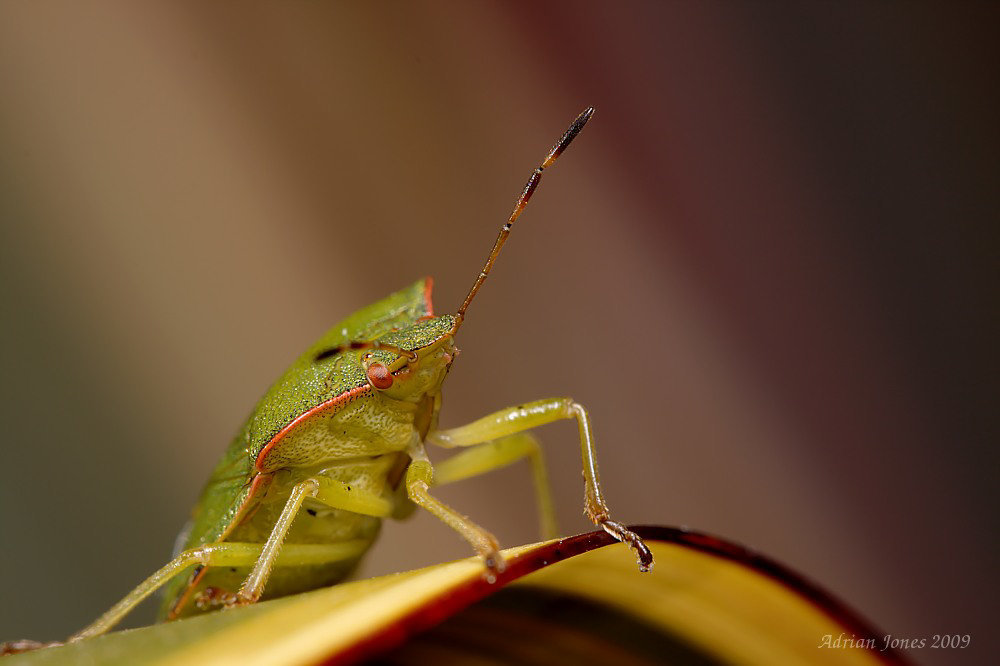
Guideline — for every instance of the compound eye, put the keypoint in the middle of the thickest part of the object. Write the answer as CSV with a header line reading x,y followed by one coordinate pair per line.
x,y
379,376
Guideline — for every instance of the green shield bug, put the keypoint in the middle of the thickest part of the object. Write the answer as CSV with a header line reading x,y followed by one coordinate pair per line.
x,y
337,444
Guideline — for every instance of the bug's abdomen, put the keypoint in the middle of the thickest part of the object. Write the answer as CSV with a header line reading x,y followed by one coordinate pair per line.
x,y
316,523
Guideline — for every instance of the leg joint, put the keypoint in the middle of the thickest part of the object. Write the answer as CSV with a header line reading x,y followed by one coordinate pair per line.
x,y
419,472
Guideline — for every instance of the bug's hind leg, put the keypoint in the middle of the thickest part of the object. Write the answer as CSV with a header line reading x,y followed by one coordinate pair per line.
x,y
262,557
224,554
27,645
217,554
499,453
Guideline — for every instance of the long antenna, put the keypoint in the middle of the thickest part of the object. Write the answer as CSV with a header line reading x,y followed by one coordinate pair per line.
x,y
522,201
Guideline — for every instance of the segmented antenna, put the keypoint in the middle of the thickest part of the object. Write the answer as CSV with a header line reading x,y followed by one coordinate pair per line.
x,y
522,201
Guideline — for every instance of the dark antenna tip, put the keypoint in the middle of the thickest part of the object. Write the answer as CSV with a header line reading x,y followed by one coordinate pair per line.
x,y
522,201
568,136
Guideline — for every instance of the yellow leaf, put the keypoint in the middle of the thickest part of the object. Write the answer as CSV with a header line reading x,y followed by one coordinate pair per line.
x,y
565,601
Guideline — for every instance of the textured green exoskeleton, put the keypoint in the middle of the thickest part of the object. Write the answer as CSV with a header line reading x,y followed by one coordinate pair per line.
x,y
337,444
322,419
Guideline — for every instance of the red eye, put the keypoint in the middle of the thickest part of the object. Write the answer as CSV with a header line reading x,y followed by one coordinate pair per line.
x,y
379,376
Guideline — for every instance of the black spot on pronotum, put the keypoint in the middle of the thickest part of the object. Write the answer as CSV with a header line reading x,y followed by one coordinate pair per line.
x,y
311,512
325,354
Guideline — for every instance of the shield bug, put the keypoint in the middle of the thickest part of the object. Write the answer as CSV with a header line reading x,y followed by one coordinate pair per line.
x,y
338,443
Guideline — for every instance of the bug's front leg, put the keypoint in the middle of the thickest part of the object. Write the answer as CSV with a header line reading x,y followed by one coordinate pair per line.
x,y
419,477
533,414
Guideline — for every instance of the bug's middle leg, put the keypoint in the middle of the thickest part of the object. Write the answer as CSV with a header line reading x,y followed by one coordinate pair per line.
x,y
499,453
333,493
274,551
253,586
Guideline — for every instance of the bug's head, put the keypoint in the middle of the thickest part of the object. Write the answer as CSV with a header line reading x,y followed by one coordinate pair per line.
x,y
406,363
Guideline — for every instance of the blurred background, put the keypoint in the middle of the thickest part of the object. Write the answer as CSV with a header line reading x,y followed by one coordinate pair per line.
x,y
767,267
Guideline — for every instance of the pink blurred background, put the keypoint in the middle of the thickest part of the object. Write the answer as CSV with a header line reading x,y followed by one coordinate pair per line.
x,y
765,267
